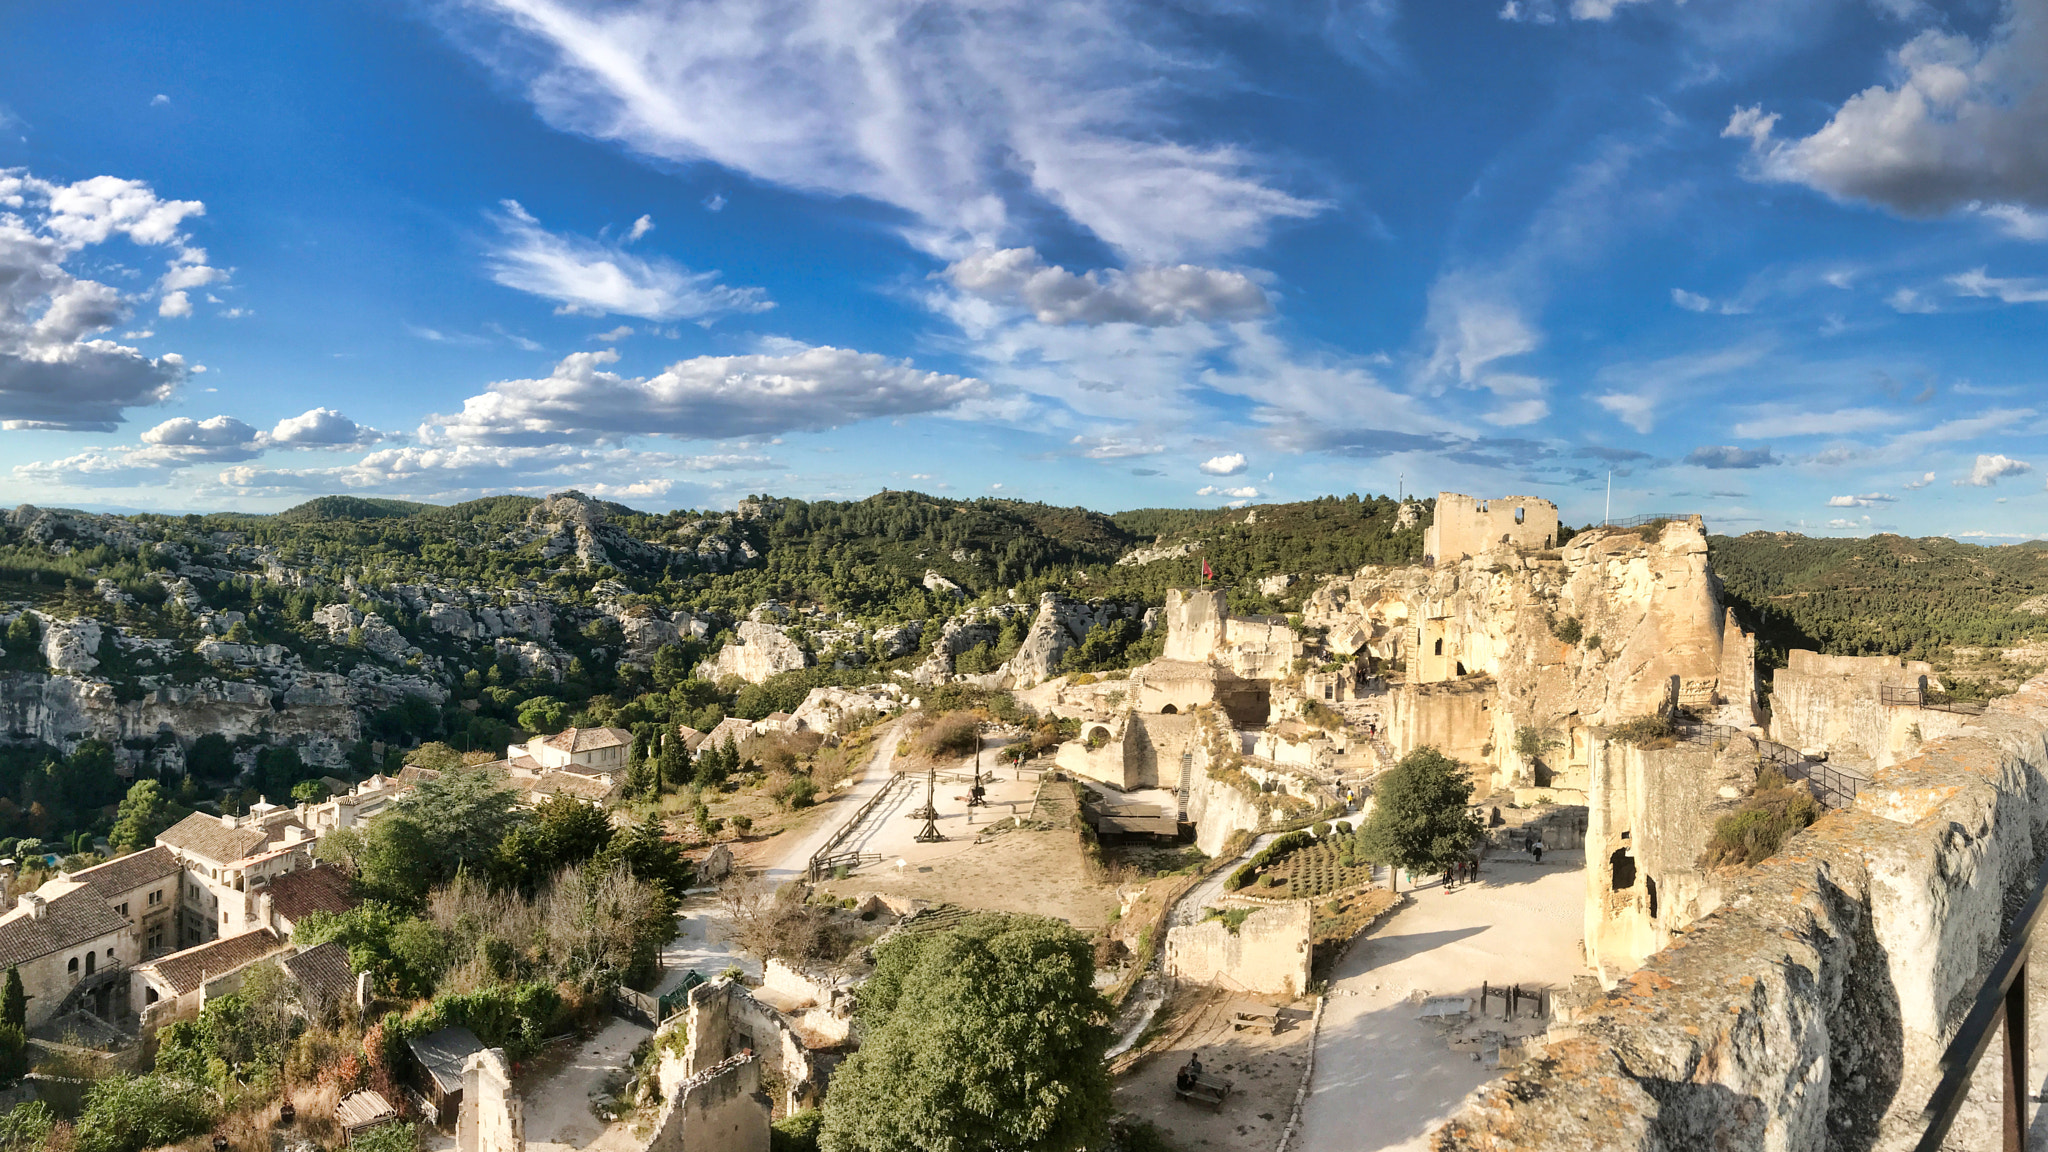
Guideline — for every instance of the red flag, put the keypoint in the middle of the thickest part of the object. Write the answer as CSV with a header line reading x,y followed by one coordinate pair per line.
x,y
1206,574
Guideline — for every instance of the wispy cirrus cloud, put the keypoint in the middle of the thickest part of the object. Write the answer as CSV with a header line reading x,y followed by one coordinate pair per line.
x,y
598,278
966,119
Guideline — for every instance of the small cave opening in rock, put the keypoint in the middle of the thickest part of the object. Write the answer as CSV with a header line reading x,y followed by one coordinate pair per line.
x,y
1624,864
1650,886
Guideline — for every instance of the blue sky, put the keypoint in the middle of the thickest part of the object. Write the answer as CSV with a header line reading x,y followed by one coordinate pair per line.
x,y
1781,264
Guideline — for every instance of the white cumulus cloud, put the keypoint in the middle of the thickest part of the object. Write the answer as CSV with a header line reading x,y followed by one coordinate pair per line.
x,y
1990,469
788,388
1959,123
1152,295
595,278
1226,465
1233,493
1867,500
2008,289
323,428
56,371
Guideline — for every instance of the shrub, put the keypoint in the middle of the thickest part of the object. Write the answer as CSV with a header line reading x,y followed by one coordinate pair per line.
x,y
954,734
1319,830
1567,629
796,1132
1756,830
130,1113
1644,731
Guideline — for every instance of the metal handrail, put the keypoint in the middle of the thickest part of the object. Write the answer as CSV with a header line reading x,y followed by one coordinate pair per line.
x,y
2002,1001
1646,518
812,869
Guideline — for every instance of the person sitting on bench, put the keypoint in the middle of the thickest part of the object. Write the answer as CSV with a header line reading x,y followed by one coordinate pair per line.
x,y
1190,1072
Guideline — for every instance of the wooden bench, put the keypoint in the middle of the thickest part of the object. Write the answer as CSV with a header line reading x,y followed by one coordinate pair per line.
x,y
1205,1089
1268,1022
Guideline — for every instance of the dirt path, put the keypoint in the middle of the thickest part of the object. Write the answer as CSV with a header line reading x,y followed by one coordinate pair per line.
x,y
1385,1079
558,1115
1150,992
794,858
1264,1070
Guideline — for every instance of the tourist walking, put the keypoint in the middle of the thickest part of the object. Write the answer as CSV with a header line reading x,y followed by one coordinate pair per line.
x,y
1536,849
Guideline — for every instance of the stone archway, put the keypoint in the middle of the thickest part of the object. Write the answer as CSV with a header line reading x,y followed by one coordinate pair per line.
x,y
1169,710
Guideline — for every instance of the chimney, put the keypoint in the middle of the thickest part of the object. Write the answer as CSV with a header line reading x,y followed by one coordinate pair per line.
x,y
37,906
230,820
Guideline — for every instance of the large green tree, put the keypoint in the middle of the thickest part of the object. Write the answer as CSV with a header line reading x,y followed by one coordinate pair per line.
x,y
988,1035
144,812
460,816
1419,818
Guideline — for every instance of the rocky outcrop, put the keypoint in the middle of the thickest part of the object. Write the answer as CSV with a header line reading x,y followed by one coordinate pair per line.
x,y
1836,705
759,650
1156,553
827,709
975,626
933,582
1060,624
317,713
1810,1010
70,646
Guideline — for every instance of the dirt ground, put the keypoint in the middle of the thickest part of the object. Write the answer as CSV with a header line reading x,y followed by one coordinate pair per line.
x,y
1264,1070
1042,873
561,1083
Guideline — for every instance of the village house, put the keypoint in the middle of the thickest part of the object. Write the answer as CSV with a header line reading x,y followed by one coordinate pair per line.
x,y
229,861
65,938
179,985
143,888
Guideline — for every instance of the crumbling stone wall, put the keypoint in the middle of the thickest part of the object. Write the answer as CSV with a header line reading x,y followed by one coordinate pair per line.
x,y
1467,526
1834,704
719,1109
1650,812
723,1019
1267,953
492,1117
1810,1009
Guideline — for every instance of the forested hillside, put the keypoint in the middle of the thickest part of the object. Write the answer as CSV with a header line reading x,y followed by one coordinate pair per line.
x,y
1882,595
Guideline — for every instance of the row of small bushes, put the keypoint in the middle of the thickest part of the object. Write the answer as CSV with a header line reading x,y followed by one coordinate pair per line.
x,y
1278,850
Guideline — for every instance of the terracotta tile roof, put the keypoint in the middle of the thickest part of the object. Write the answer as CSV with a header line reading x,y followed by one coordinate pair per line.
x,y
74,918
185,971
322,970
691,737
203,835
731,728
587,739
324,889
117,878
412,776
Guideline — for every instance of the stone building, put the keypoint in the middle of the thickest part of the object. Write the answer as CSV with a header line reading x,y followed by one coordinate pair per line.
x,y
69,944
228,862
587,751
143,888
1466,526
178,985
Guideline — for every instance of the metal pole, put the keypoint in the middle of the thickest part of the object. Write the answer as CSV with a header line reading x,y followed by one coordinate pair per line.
x,y
1609,514
2015,1093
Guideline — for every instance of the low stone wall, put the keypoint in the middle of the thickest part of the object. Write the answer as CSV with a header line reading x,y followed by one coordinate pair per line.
x,y
1267,953
1809,1011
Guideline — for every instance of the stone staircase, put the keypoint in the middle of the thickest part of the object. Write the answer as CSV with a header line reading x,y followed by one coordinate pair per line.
x,y
1187,780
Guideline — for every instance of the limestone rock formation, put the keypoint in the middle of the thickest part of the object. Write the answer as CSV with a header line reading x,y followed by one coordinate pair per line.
x,y
1060,624
70,645
760,649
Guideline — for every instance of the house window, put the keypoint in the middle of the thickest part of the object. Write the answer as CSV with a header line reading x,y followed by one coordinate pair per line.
x,y
124,909
149,996
72,967
156,897
89,958
156,941
1439,645
1518,515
